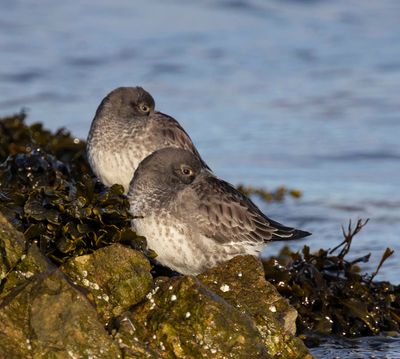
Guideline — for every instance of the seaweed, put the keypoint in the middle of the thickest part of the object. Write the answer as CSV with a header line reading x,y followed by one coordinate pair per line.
x,y
331,294
18,137
278,194
48,193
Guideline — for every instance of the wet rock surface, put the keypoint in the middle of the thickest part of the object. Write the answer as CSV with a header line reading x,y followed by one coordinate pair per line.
x,y
241,282
43,315
114,278
184,319
12,247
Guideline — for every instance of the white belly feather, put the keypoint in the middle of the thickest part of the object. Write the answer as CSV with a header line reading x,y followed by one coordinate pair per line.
x,y
114,167
187,254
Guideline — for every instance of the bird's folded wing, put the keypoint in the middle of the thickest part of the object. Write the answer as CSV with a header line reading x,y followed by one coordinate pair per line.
x,y
227,216
174,135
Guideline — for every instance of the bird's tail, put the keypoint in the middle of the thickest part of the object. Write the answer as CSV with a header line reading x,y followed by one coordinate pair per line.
x,y
284,233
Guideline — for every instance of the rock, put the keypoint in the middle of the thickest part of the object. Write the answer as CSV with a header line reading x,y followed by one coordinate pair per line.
x,y
18,264
12,247
241,282
41,314
184,319
48,318
231,312
115,278
32,264
227,312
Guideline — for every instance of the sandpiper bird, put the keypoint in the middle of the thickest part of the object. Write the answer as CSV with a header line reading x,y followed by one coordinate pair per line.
x,y
191,218
125,130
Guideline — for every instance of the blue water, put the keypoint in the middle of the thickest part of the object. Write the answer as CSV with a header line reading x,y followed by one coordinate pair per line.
x,y
379,347
301,93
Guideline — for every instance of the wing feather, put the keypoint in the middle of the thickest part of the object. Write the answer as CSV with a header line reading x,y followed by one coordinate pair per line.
x,y
174,135
226,215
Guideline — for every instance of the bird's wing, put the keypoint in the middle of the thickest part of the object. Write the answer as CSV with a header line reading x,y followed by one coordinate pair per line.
x,y
174,135
221,212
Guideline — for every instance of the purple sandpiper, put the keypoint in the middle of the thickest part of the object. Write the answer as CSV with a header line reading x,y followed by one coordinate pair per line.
x,y
125,130
194,220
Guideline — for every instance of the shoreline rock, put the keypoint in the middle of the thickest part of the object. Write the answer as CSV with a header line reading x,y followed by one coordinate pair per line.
x,y
41,313
241,282
46,311
114,278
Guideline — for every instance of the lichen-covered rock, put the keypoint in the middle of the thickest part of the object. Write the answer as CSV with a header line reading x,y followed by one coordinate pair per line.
x,y
12,247
48,318
31,264
41,314
241,282
19,263
115,278
184,319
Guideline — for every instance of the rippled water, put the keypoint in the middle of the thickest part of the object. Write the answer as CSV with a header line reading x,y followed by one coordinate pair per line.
x,y
301,93
379,347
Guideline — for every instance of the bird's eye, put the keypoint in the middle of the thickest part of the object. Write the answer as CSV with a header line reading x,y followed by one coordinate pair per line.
x,y
144,108
186,171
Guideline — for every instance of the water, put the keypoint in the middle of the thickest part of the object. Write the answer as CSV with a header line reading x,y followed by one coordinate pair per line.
x,y
301,93
379,347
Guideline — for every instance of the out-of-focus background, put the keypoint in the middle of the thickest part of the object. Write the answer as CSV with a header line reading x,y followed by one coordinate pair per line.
x,y
300,93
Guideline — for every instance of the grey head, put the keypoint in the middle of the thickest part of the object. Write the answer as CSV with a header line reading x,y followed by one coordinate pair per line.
x,y
169,170
126,103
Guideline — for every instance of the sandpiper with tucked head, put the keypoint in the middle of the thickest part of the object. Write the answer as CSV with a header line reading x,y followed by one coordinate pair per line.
x,y
125,130
191,218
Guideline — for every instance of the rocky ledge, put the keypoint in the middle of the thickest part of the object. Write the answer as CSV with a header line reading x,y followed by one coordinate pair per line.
x,y
107,305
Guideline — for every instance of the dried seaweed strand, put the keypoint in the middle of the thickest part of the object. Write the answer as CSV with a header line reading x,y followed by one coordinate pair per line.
x,y
348,237
388,252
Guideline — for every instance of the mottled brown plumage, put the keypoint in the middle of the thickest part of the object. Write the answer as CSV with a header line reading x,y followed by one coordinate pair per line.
x,y
194,220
